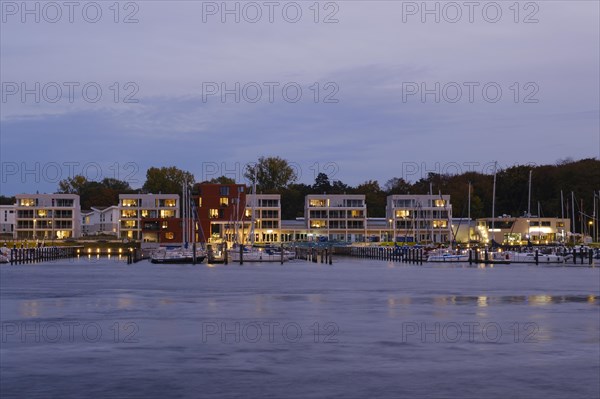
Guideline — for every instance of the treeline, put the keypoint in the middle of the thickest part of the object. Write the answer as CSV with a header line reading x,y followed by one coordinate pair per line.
x,y
275,175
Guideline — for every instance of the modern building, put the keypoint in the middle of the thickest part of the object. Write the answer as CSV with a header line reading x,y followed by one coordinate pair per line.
x,y
135,207
47,216
267,217
161,232
100,221
7,220
510,230
221,212
336,217
420,218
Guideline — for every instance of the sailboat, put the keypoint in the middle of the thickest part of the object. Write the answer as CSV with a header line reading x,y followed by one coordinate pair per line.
x,y
252,253
186,253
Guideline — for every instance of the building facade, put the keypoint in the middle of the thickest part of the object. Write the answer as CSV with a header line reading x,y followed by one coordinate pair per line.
x,y
7,221
100,221
510,230
420,218
336,217
221,212
47,216
135,207
267,218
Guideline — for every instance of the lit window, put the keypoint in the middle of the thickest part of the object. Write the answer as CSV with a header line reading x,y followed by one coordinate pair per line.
x,y
170,236
167,213
248,213
440,203
170,203
199,201
129,202
224,201
213,213
165,225
317,203
402,213
27,202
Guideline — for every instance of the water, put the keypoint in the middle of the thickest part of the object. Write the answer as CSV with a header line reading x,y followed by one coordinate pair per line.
x,y
357,329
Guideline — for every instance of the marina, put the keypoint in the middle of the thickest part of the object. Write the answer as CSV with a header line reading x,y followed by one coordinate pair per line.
x,y
246,331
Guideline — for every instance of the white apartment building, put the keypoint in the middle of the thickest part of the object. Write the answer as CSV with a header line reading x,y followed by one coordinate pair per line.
x,y
134,207
100,220
7,220
420,218
519,230
47,216
267,217
337,217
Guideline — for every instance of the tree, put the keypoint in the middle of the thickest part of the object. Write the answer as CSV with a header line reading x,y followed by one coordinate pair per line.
x,y
7,200
93,193
222,180
396,185
166,180
72,185
322,184
270,174
374,197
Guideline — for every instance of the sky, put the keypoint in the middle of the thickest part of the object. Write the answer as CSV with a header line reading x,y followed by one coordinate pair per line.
x,y
359,90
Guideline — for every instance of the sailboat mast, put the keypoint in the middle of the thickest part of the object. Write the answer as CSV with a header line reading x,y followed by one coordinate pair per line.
x,y
562,215
469,204
494,203
529,197
573,215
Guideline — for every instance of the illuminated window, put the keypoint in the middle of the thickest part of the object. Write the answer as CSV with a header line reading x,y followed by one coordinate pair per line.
x,y
317,203
165,225
170,236
248,213
42,213
27,202
440,223
129,213
402,213
213,213
439,203
129,202
199,201
170,202
355,214
317,224
560,224
224,201
167,213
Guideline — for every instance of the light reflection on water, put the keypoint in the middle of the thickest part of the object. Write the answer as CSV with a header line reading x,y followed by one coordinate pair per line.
x,y
368,329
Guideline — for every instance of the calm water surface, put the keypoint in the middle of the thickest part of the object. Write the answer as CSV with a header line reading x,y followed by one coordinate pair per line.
x,y
357,329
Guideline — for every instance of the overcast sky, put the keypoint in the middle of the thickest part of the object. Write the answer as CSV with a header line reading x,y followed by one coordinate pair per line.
x,y
362,69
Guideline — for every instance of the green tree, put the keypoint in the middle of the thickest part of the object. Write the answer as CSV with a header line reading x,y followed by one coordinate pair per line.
x,y
166,180
270,174
322,184
375,197
72,185
396,185
222,180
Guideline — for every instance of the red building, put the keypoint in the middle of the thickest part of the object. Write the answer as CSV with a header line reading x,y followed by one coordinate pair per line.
x,y
220,207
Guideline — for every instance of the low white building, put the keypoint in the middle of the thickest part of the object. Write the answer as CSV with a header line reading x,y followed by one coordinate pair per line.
x,y
100,220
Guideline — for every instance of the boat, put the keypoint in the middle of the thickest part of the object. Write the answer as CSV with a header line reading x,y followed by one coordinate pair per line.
x,y
4,255
447,256
178,255
257,254
528,257
186,253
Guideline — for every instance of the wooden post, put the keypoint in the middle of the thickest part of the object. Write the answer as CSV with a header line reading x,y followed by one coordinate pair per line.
x,y
590,256
193,253
470,256
282,253
537,257
241,254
